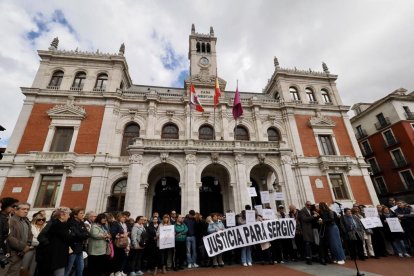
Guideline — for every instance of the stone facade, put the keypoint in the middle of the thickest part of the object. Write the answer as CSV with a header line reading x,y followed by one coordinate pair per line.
x,y
293,163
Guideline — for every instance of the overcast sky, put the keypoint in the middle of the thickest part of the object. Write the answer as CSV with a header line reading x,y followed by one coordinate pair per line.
x,y
369,44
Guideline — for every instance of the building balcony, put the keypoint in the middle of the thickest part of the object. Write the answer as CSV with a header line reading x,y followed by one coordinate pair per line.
x,y
375,169
382,123
52,87
392,141
297,101
76,88
401,162
313,102
405,186
367,151
99,89
361,134
409,115
328,103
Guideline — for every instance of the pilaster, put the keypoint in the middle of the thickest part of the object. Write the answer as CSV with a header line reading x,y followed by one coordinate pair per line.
x,y
291,192
192,193
135,192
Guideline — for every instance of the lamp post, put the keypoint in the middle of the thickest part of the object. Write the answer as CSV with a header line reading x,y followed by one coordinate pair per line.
x,y
164,179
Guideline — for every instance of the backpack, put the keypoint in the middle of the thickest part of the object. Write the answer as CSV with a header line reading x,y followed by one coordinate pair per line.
x,y
144,239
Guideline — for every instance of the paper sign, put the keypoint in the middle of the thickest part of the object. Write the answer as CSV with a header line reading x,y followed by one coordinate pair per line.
x,y
259,209
268,214
393,208
368,223
371,212
250,216
279,196
336,208
251,191
377,222
167,238
394,224
412,207
17,190
265,197
230,219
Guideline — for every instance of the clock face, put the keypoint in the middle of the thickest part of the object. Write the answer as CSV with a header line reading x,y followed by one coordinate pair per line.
x,y
204,60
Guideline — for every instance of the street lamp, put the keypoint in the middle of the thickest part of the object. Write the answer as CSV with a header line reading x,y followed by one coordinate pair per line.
x,y
164,180
215,178
263,179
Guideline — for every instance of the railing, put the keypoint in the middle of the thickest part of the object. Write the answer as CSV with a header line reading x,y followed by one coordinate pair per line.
x,y
52,87
405,186
375,169
391,141
361,134
98,89
76,88
401,162
382,123
313,102
39,156
297,101
367,151
328,103
409,115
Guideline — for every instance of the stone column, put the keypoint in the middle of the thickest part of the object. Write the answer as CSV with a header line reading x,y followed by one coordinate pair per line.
x,y
241,180
192,192
135,192
258,123
290,185
108,128
151,120
96,190
224,123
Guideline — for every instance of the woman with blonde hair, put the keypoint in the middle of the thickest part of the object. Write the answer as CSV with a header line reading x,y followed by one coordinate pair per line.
x,y
119,230
163,253
29,259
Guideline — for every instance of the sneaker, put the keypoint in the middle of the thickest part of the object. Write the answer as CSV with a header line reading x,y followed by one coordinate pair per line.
x,y
335,262
132,274
189,265
139,273
275,262
407,255
112,274
341,262
281,262
195,265
118,273
244,264
400,255
250,264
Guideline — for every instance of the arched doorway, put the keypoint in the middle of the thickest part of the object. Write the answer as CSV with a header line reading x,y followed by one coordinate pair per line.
x,y
167,198
256,200
263,177
211,199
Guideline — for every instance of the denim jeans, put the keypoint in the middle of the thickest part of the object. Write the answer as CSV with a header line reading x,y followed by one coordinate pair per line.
x,y
76,259
401,242
191,244
246,255
335,243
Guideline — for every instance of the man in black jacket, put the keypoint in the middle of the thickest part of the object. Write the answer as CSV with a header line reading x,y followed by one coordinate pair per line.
x,y
8,205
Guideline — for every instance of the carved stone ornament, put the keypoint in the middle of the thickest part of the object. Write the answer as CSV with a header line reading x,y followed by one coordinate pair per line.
x,y
261,157
50,169
239,159
68,170
170,115
276,62
206,115
286,159
122,49
118,131
318,183
135,158
215,157
272,119
321,122
125,171
54,44
67,111
164,156
191,159
325,67
32,170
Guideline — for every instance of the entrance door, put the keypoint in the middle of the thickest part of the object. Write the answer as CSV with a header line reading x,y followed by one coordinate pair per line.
x,y
167,198
211,199
256,200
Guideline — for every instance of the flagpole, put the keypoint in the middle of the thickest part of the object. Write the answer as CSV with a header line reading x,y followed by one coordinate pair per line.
x,y
214,107
189,102
233,101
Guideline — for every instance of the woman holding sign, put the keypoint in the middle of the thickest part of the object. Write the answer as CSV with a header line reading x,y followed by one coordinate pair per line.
x,y
163,253
215,226
246,254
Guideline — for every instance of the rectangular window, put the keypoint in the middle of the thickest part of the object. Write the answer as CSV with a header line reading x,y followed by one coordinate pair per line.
x,y
48,191
358,110
412,125
382,188
326,144
366,146
407,109
62,139
381,119
359,129
398,157
338,186
408,178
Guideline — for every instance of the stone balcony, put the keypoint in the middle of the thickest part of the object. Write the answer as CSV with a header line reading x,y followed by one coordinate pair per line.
x,y
50,158
335,161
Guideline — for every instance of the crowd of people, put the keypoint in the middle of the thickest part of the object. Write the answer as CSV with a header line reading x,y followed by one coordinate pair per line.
x,y
72,242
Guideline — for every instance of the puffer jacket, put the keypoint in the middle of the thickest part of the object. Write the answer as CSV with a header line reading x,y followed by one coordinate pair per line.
x,y
183,229
79,233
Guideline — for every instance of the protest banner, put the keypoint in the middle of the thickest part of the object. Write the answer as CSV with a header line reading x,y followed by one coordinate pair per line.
x,y
368,223
246,235
265,196
268,214
371,212
251,191
377,222
167,237
250,216
393,208
230,219
259,209
394,224
279,196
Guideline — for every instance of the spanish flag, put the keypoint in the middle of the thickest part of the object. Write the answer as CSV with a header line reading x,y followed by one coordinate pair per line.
x,y
218,92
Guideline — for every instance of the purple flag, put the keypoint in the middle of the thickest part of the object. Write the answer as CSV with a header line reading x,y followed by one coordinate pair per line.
x,y
237,107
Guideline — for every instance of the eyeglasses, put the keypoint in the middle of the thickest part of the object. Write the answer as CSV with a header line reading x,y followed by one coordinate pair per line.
x,y
41,220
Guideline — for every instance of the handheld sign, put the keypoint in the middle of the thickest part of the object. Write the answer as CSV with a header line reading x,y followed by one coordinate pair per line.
x,y
251,191
393,208
259,209
268,214
167,238
250,216
336,208
394,224
377,222
368,223
371,212
265,197
230,219
279,196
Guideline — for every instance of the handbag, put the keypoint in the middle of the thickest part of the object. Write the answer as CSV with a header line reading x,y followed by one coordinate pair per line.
x,y
108,248
121,242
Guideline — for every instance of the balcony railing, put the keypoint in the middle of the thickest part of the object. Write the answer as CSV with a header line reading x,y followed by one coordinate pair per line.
x,y
382,123
99,89
76,88
405,186
401,162
375,169
313,102
297,101
392,141
409,115
328,103
52,87
367,151
361,134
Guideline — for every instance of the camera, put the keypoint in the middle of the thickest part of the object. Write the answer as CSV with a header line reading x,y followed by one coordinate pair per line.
x,y
3,259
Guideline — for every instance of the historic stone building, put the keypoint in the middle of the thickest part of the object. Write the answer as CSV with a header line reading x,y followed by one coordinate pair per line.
x,y
88,136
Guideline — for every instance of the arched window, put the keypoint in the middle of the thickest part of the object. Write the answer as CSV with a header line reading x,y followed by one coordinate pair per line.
x,y
101,81
203,47
121,86
198,47
294,94
241,133
131,131
208,48
117,199
325,96
169,131
310,95
56,79
79,80
273,134
206,133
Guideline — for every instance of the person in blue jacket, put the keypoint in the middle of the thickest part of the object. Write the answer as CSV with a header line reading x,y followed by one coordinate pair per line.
x,y
215,226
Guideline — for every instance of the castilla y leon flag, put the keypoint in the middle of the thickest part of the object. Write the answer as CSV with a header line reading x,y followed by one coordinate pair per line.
x,y
218,92
237,107
194,102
